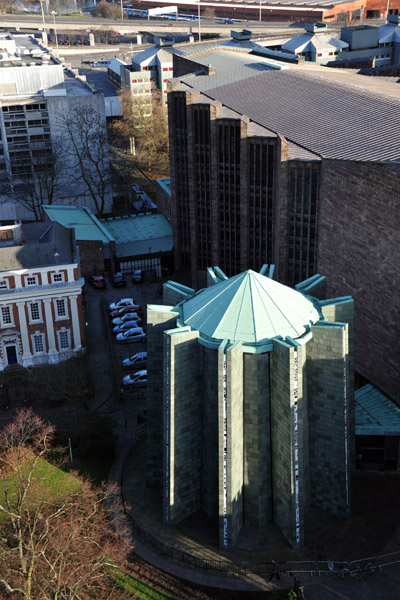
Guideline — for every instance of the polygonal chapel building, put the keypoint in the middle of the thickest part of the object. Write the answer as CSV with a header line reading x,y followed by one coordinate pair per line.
x,y
250,402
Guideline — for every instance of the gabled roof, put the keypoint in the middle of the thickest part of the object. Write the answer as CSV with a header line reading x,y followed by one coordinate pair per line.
x,y
155,53
309,42
249,307
390,32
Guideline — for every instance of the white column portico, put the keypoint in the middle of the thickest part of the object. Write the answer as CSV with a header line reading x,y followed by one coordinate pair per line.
x,y
52,351
26,351
75,323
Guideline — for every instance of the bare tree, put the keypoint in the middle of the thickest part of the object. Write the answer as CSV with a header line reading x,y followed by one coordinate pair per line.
x,y
147,123
37,179
107,11
7,6
86,152
55,544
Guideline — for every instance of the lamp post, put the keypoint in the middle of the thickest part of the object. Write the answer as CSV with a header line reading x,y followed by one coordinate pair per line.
x,y
198,18
122,11
53,12
260,12
44,23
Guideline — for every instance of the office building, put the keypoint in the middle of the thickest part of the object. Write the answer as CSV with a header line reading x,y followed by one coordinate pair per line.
x,y
38,95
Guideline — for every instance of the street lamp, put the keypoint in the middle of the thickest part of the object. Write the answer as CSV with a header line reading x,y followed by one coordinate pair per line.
x,y
260,12
198,18
44,23
122,11
53,12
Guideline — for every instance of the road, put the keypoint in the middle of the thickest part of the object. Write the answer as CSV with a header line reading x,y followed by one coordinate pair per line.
x,y
66,23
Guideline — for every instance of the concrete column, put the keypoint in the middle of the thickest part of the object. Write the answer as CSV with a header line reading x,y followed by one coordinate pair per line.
x,y
26,350
76,330
52,350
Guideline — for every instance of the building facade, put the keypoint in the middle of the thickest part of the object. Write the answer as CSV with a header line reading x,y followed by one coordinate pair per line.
x,y
299,167
37,100
227,175
256,402
41,318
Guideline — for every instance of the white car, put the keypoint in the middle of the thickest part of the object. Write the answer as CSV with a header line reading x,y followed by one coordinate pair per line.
x,y
137,360
136,334
126,317
121,303
138,379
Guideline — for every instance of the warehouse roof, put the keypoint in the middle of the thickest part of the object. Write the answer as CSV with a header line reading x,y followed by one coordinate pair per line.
x,y
336,121
140,234
375,413
250,308
86,225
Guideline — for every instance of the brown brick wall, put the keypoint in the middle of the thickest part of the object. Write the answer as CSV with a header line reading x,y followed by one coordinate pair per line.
x,y
359,252
91,257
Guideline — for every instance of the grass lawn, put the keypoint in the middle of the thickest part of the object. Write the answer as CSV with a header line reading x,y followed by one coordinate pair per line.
x,y
54,482
140,590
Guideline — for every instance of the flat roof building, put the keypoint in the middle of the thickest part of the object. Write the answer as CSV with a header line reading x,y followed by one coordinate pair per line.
x,y
39,97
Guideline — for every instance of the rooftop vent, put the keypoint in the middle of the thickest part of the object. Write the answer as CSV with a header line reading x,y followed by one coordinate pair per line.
x,y
241,36
315,27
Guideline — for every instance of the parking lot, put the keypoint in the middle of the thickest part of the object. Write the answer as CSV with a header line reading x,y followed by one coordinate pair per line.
x,y
105,355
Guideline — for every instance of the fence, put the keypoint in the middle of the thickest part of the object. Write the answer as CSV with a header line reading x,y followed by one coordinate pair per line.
x,y
182,557
292,568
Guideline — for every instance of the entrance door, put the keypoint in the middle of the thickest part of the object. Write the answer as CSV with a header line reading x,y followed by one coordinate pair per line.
x,y
11,355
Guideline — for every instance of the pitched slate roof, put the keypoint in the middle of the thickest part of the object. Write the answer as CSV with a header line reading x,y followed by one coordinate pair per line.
x,y
336,121
306,42
375,413
249,307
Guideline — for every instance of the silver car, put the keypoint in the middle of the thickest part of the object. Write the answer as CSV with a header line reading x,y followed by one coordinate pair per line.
x,y
136,334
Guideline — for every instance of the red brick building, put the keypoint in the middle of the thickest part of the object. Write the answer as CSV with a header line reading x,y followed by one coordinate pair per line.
x,y
41,317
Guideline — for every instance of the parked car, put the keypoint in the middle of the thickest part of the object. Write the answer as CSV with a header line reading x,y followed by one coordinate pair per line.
x,y
138,379
136,334
126,325
97,281
121,303
137,276
119,312
118,280
137,360
132,316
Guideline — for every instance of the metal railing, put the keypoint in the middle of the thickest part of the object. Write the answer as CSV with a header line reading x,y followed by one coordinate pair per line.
x,y
357,568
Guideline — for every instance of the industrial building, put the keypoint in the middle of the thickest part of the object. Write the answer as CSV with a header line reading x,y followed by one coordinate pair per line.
x,y
296,165
317,44
284,10
252,421
37,94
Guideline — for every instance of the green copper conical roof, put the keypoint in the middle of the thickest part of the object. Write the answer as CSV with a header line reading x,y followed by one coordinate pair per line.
x,y
249,307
